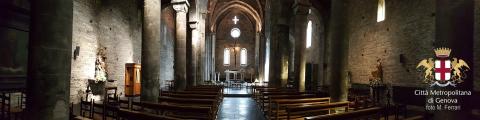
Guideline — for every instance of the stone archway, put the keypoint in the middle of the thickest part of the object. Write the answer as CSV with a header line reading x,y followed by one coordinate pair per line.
x,y
220,24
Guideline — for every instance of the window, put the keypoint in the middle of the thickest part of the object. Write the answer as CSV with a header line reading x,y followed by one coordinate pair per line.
x,y
243,57
235,32
309,34
381,11
226,57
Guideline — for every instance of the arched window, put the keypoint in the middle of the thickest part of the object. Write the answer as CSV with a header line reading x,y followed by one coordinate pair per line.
x,y
381,11
226,57
309,34
243,57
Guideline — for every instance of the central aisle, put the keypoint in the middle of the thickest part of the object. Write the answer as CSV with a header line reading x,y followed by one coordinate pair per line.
x,y
239,108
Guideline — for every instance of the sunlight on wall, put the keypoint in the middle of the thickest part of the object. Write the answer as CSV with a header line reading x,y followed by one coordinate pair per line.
x,y
267,61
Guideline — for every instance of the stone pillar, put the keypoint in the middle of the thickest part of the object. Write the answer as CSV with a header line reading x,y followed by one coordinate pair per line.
x,y
257,54
151,50
212,65
454,29
282,55
299,30
339,52
49,59
208,56
192,68
180,64
262,52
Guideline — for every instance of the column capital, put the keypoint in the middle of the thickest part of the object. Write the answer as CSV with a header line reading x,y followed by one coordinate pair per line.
x,y
180,5
193,24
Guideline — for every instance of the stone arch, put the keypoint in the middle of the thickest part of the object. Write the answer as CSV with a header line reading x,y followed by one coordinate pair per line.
x,y
319,43
238,5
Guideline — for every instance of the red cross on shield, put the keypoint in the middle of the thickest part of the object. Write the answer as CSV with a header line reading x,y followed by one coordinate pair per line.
x,y
442,70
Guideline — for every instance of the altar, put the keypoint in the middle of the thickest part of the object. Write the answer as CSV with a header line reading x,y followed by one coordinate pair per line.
x,y
237,75
237,78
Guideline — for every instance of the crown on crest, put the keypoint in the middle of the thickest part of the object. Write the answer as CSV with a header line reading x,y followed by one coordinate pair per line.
x,y
442,52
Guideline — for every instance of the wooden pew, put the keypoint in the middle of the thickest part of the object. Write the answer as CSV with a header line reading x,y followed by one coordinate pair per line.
x,y
179,111
209,102
266,101
194,102
296,111
256,91
263,100
192,96
124,114
280,105
193,92
375,112
219,94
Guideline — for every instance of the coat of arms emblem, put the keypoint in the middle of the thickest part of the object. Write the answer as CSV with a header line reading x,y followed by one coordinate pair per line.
x,y
443,71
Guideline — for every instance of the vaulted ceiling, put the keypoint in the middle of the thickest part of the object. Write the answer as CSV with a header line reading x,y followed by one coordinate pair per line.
x,y
219,9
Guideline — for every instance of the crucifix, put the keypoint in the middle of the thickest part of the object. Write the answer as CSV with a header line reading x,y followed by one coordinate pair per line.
x,y
235,19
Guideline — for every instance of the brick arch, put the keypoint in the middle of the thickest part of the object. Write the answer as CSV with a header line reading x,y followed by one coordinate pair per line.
x,y
236,5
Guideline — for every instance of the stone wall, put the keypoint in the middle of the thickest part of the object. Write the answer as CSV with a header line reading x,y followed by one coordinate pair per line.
x,y
168,45
14,32
315,53
246,40
408,30
113,24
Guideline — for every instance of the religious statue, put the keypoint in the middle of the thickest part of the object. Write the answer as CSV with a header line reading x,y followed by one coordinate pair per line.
x,y
377,75
101,73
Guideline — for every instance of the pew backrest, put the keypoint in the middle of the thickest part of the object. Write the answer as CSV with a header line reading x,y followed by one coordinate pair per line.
x,y
374,111
309,108
135,115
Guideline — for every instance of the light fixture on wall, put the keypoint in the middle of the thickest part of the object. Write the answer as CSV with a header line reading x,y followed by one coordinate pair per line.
x,y
76,52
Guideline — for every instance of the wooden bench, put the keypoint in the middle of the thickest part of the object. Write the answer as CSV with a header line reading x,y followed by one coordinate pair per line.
x,y
295,111
263,100
179,111
124,114
216,97
193,101
281,104
376,112
193,92
213,103
298,96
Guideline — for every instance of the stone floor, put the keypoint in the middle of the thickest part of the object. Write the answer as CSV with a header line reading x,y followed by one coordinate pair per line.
x,y
236,90
239,108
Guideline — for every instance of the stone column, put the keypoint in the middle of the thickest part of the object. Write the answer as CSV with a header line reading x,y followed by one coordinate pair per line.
x,y
180,64
339,52
261,61
212,65
192,75
151,50
49,59
454,29
282,55
257,54
299,30
208,57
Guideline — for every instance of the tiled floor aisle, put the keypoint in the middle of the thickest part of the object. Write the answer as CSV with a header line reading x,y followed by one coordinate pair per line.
x,y
239,108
